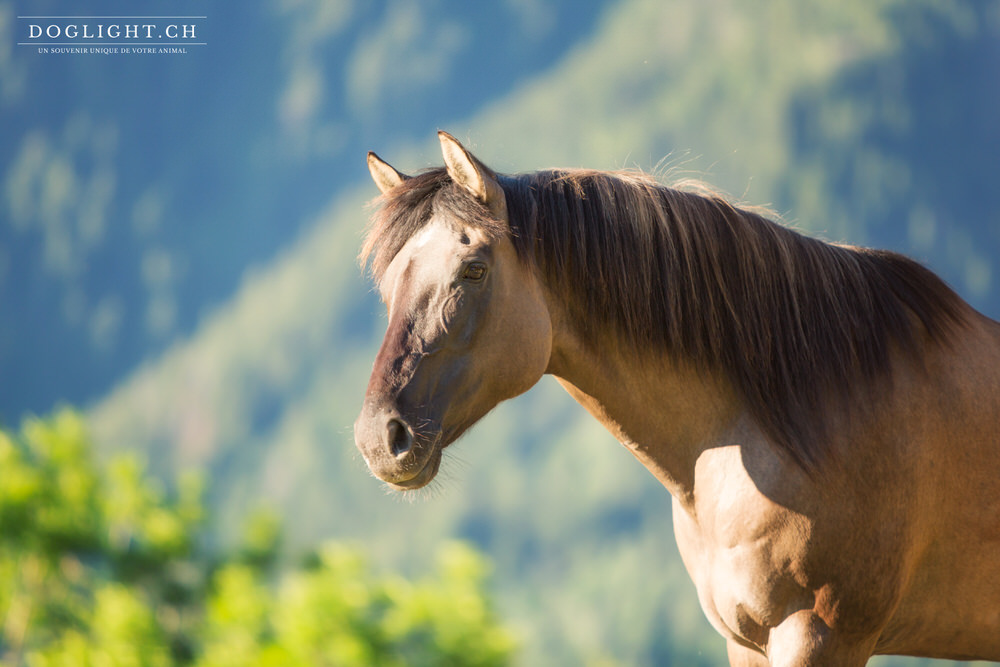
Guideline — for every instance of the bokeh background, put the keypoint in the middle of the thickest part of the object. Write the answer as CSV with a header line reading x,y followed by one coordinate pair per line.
x,y
178,237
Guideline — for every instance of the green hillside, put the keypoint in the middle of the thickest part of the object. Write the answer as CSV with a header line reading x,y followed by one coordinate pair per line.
x,y
818,109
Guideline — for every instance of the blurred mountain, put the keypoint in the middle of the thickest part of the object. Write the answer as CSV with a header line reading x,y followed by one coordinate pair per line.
x,y
135,191
870,122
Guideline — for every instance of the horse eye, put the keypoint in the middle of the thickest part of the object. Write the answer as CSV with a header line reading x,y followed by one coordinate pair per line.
x,y
474,272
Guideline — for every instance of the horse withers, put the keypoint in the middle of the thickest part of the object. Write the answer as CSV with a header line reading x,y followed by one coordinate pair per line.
x,y
826,418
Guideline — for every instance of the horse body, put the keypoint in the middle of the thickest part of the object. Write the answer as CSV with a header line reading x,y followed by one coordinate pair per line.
x,y
875,542
820,526
950,605
895,547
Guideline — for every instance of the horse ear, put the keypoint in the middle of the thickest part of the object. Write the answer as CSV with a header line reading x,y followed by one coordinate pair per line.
x,y
473,175
385,175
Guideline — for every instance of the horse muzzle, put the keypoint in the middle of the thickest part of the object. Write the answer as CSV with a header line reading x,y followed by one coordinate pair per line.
x,y
395,451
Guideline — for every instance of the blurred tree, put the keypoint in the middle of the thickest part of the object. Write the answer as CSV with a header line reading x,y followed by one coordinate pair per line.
x,y
100,565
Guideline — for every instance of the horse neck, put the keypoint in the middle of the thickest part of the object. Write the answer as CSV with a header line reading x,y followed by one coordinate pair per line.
x,y
664,410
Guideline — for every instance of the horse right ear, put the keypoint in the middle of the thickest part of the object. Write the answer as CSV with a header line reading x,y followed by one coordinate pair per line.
x,y
384,174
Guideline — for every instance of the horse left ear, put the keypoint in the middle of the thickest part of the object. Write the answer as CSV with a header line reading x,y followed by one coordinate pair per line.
x,y
466,170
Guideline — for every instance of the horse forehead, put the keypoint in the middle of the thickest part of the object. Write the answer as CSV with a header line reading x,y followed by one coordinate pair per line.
x,y
425,259
425,237
443,233
437,246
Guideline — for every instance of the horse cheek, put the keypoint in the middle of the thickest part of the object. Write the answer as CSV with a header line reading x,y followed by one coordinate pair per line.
x,y
525,341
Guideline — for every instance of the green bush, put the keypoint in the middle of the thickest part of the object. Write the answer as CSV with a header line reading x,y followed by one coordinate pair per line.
x,y
101,565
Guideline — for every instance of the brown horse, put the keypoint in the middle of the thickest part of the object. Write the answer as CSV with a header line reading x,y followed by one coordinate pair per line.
x,y
827,418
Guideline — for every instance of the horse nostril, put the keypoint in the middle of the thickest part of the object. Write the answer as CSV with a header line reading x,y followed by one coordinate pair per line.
x,y
400,440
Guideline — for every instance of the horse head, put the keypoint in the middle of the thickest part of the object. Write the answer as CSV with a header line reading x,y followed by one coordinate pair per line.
x,y
468,324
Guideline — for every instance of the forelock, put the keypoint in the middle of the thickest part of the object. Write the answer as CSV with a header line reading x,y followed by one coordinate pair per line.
x,y
410,206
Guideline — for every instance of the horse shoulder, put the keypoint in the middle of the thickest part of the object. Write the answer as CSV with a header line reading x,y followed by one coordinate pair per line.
x,y
769,545
744,540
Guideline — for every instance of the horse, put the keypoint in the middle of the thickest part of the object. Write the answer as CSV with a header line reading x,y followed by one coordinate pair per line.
x,y
826,417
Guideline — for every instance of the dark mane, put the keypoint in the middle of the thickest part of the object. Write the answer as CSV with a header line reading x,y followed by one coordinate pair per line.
x,y
792,321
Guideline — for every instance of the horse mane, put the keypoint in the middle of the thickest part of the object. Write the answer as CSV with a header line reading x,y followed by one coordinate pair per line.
x,y
796,324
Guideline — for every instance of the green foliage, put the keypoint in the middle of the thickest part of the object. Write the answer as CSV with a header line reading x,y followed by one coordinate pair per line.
x,y
336,612
100,565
